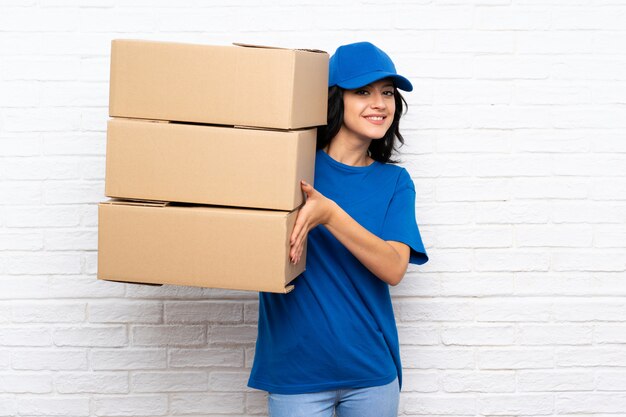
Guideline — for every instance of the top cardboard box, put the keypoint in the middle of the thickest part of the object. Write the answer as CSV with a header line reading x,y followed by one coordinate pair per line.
x,y
227,85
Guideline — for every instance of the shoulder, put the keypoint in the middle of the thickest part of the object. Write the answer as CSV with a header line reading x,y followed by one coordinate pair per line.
x,y
398,174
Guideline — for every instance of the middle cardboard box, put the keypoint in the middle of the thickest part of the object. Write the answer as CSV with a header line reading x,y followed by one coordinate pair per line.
x,y
212,165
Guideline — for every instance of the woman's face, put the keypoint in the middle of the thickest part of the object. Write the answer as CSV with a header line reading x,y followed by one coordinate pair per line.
x,y
368,111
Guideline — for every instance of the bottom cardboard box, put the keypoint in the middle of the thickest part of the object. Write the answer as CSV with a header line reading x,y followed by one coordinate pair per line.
x,y
204,246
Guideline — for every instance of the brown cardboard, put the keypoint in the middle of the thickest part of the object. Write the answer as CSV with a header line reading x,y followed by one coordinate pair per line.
x,y
208,164
229,85
216,247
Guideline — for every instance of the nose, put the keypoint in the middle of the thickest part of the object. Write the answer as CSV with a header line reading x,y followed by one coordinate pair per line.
x,y
378,101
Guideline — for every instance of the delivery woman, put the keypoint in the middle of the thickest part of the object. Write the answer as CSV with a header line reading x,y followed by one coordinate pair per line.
x,y
331,345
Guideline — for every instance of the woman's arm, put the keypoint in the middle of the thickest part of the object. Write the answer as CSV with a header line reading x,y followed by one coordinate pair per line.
x,y
388,260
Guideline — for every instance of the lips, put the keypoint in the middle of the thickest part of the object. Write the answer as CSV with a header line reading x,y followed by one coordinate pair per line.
x,y
375,119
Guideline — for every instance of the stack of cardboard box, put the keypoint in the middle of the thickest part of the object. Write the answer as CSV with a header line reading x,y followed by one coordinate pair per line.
x,y
206,148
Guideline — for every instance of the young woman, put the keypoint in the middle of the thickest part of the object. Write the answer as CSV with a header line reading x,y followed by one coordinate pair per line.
x,y
331,345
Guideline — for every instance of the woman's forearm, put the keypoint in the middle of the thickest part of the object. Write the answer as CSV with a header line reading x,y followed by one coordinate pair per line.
x,y
387,260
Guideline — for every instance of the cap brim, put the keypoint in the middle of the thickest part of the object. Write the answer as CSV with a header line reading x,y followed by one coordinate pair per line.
x,y
363,80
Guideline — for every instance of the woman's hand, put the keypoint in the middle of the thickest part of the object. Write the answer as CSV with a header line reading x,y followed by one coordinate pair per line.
x,y
316,210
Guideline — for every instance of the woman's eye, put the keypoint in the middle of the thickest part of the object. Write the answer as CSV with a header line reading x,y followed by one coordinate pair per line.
x,y
389,93
361,92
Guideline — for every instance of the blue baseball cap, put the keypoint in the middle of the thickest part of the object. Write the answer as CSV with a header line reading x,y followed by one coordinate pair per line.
x,y
358,64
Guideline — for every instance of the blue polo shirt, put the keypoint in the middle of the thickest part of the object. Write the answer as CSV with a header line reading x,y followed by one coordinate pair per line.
x,y
336,329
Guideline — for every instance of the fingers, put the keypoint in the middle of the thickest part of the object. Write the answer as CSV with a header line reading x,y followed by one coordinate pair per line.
x,y
307,188
297,243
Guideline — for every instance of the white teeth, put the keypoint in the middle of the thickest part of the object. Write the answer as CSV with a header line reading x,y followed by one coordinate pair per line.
x,y
375,117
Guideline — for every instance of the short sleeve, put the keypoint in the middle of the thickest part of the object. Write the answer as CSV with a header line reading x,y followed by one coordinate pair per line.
x,y
400,224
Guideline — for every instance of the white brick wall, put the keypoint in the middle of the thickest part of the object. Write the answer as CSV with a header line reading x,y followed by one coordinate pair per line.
x,y
516,142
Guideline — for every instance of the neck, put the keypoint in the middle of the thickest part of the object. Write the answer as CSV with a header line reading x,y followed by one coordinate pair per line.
x,y
349,151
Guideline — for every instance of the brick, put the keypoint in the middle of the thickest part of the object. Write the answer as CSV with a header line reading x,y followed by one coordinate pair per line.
x,y
609,333
49,359
437,358
513,310
556,334
53,406
590,403
83,286
44,263
231,335
131,405
63,192
20,144
485,382
576,18
457,190
38,168
194,358
473,237
25,383
554,236
256,403
21,241
550,188
177,381
553,42
432,167
25,336
434,310
415,284
127,359
556,380
492,68
609,236
251,313
169,335
516,404
91,382
590,310
478,335
570,283
462,285
587,260
587,212
44,216
8,407
125,311
428,17
420,381
612,356
203,311
229,381
475,41
610,380
49,312
450,405
423,334
80,240
249,357
207,403
515,358
513,212
41,120
550,140
494,260
22,193
83,143
90,336
520,165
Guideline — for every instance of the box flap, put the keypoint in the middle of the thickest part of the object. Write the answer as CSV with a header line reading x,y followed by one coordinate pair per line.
x,y
249,45
130,202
